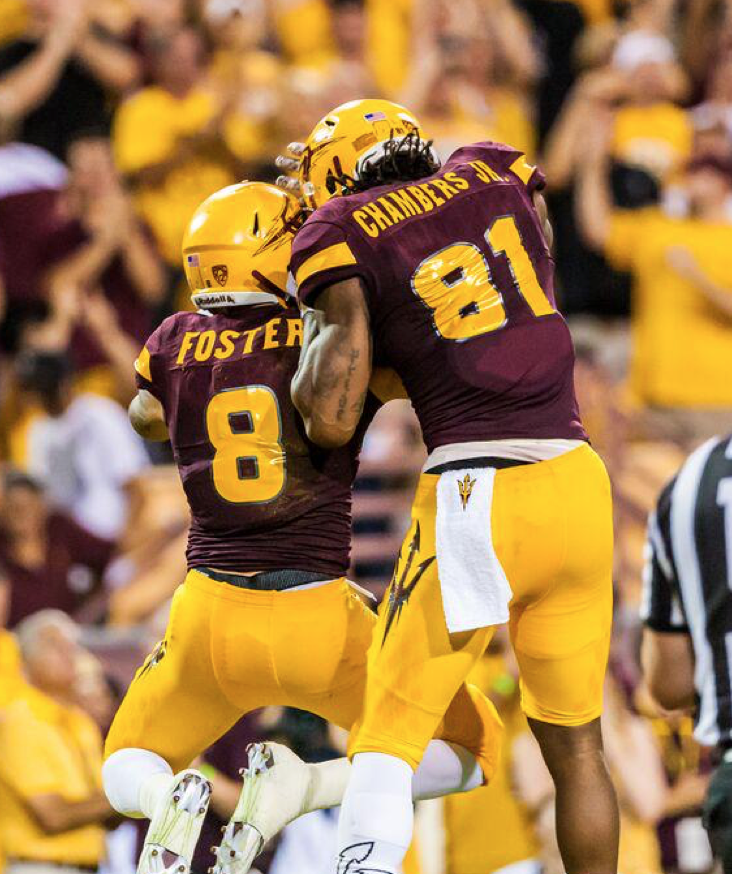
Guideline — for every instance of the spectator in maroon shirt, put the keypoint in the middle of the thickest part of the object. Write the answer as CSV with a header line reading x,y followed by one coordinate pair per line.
x,y
82,241
47,559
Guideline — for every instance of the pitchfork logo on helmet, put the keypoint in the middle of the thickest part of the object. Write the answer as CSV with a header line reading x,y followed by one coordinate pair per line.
x,y
345,146
240,238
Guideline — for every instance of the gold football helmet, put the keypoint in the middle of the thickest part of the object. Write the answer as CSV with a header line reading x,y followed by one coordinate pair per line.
x,y
346,143
236,248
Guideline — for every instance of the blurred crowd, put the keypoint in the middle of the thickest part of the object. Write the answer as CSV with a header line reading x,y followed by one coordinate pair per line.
x,y
117,117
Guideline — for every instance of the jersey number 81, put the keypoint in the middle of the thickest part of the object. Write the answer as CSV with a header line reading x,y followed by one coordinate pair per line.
x,y
456,284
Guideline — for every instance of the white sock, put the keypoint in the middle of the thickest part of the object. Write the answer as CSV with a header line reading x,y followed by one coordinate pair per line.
x,y
446,768
134,780
377,816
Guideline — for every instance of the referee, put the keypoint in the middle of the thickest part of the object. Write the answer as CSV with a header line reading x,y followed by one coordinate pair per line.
x,y
687,612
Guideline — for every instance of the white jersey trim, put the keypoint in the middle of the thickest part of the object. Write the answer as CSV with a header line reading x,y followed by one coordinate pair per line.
x,y
516,450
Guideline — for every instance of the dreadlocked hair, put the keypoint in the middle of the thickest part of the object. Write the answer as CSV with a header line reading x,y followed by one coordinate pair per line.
x,y
404,160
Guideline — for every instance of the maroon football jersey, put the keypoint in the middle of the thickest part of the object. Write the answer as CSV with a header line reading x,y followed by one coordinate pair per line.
x,y
460,288
262,497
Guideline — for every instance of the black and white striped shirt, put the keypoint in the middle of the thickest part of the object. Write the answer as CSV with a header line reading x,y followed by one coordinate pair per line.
x,y
687,584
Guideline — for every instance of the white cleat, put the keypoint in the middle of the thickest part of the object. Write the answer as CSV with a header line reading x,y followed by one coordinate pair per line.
x,y
276,784
174,829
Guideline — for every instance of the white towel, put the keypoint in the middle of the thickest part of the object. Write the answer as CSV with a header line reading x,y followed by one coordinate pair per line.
x,y
475,590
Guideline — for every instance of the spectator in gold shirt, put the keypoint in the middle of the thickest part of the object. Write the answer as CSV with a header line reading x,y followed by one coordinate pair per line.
x,y
650,132
682,289
344,74
244,73
12,683
471,73
168,139
638,90
52,810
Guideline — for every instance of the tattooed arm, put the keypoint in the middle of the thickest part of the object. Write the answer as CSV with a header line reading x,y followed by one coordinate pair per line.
x,y
332,379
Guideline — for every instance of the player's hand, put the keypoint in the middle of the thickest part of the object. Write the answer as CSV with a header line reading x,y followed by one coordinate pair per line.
x,y
290,164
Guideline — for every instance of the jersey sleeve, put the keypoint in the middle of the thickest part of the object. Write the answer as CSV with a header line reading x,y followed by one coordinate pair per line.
x,y
321,256
150,366
661,606
530,174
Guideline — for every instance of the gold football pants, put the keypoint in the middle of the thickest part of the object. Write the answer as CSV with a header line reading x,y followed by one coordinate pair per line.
x,y
551,526
228,651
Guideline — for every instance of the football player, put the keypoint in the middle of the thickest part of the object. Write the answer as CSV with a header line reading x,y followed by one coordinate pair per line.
x,y
444,272
265,616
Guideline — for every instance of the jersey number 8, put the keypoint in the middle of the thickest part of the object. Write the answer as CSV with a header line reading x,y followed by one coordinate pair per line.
x,y
245,428
456,284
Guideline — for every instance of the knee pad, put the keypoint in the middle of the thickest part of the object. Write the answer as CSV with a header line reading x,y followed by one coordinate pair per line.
x,y
124,774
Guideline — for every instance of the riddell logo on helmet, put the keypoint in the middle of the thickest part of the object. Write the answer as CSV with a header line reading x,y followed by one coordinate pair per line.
x,y
220,273
216,299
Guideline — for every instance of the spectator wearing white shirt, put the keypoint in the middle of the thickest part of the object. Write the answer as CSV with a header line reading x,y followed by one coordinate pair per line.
x,y
83,449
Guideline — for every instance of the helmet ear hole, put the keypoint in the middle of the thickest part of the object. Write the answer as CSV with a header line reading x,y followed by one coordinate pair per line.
x,y
330,183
